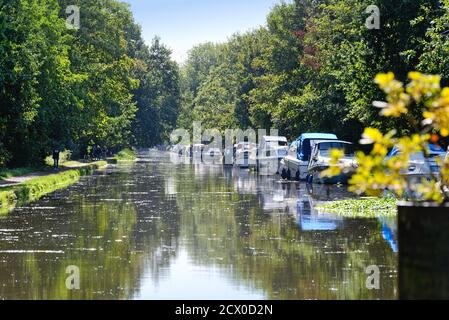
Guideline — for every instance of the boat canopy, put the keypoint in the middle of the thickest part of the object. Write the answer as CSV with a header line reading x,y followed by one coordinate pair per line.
x,y
274,139
317,136
303,143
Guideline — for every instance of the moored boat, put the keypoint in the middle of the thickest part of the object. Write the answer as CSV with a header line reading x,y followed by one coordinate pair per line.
x,y
320,160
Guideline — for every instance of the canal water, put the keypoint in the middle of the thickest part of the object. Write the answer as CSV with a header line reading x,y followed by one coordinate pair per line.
x,y
156,230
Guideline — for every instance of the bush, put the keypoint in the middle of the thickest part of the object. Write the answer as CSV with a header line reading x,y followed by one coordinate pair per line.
x,y
64,156
4,156
126,155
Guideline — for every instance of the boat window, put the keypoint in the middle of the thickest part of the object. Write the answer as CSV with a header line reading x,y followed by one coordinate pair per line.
x,y
306,150
326,147
277,143
433,152
419,156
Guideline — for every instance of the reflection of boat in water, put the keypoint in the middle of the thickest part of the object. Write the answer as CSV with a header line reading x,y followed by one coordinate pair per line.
x,y
309,219
202,169
274,199
170,187
279,196
275,196
298,201
179,157
244,181
390,233
323,193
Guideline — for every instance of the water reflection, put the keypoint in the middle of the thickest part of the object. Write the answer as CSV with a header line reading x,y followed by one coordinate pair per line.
x,y
157,230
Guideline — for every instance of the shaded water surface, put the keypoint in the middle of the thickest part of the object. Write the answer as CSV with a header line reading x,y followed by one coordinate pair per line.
x,y
155,230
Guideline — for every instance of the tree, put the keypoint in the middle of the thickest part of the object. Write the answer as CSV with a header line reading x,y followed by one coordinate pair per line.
x,y
35,80
158,96
100,53
202,59
435,56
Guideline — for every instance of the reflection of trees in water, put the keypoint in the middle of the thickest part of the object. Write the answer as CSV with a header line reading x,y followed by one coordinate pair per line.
x,y
157,229
132,220
269,252
113,227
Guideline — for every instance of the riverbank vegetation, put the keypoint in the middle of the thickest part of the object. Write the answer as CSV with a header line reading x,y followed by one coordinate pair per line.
x,y
9,173
74,88
35,188
311,68
126,155
364,207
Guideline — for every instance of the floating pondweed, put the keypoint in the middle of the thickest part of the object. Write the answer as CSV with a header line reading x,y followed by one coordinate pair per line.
x,y
364,207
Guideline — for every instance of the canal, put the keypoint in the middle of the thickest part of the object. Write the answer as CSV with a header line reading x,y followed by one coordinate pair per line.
x,y
156,230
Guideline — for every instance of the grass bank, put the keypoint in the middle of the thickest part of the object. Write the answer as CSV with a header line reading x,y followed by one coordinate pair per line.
x,y
126,155
35,188
365,207
9,173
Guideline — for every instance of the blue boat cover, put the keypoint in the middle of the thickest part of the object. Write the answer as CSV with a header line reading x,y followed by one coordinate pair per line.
x,y
317,136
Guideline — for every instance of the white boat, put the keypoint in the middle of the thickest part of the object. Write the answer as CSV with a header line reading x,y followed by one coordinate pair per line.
x,y
295,164
321,157
245,154
272,149
197,152
212,155
422,165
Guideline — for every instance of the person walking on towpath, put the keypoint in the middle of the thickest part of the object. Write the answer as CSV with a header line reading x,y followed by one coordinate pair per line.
x,y
56,153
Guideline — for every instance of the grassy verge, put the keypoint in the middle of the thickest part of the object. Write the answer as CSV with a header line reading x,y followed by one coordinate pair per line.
x,y
367,207
34,189
126,155
9,173
64,156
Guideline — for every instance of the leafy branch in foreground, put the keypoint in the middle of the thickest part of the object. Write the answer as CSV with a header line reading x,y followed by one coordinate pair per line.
x,y
376,173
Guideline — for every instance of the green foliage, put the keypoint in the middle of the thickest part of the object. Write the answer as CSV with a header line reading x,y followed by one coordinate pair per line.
x,y
375,173
64,156
366,207
9,173
71,89
217,79
158,96
126,155
35,76
311,68
35,188
435,57
100,53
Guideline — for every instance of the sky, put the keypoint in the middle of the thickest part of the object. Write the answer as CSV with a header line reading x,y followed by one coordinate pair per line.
x,y
181,24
